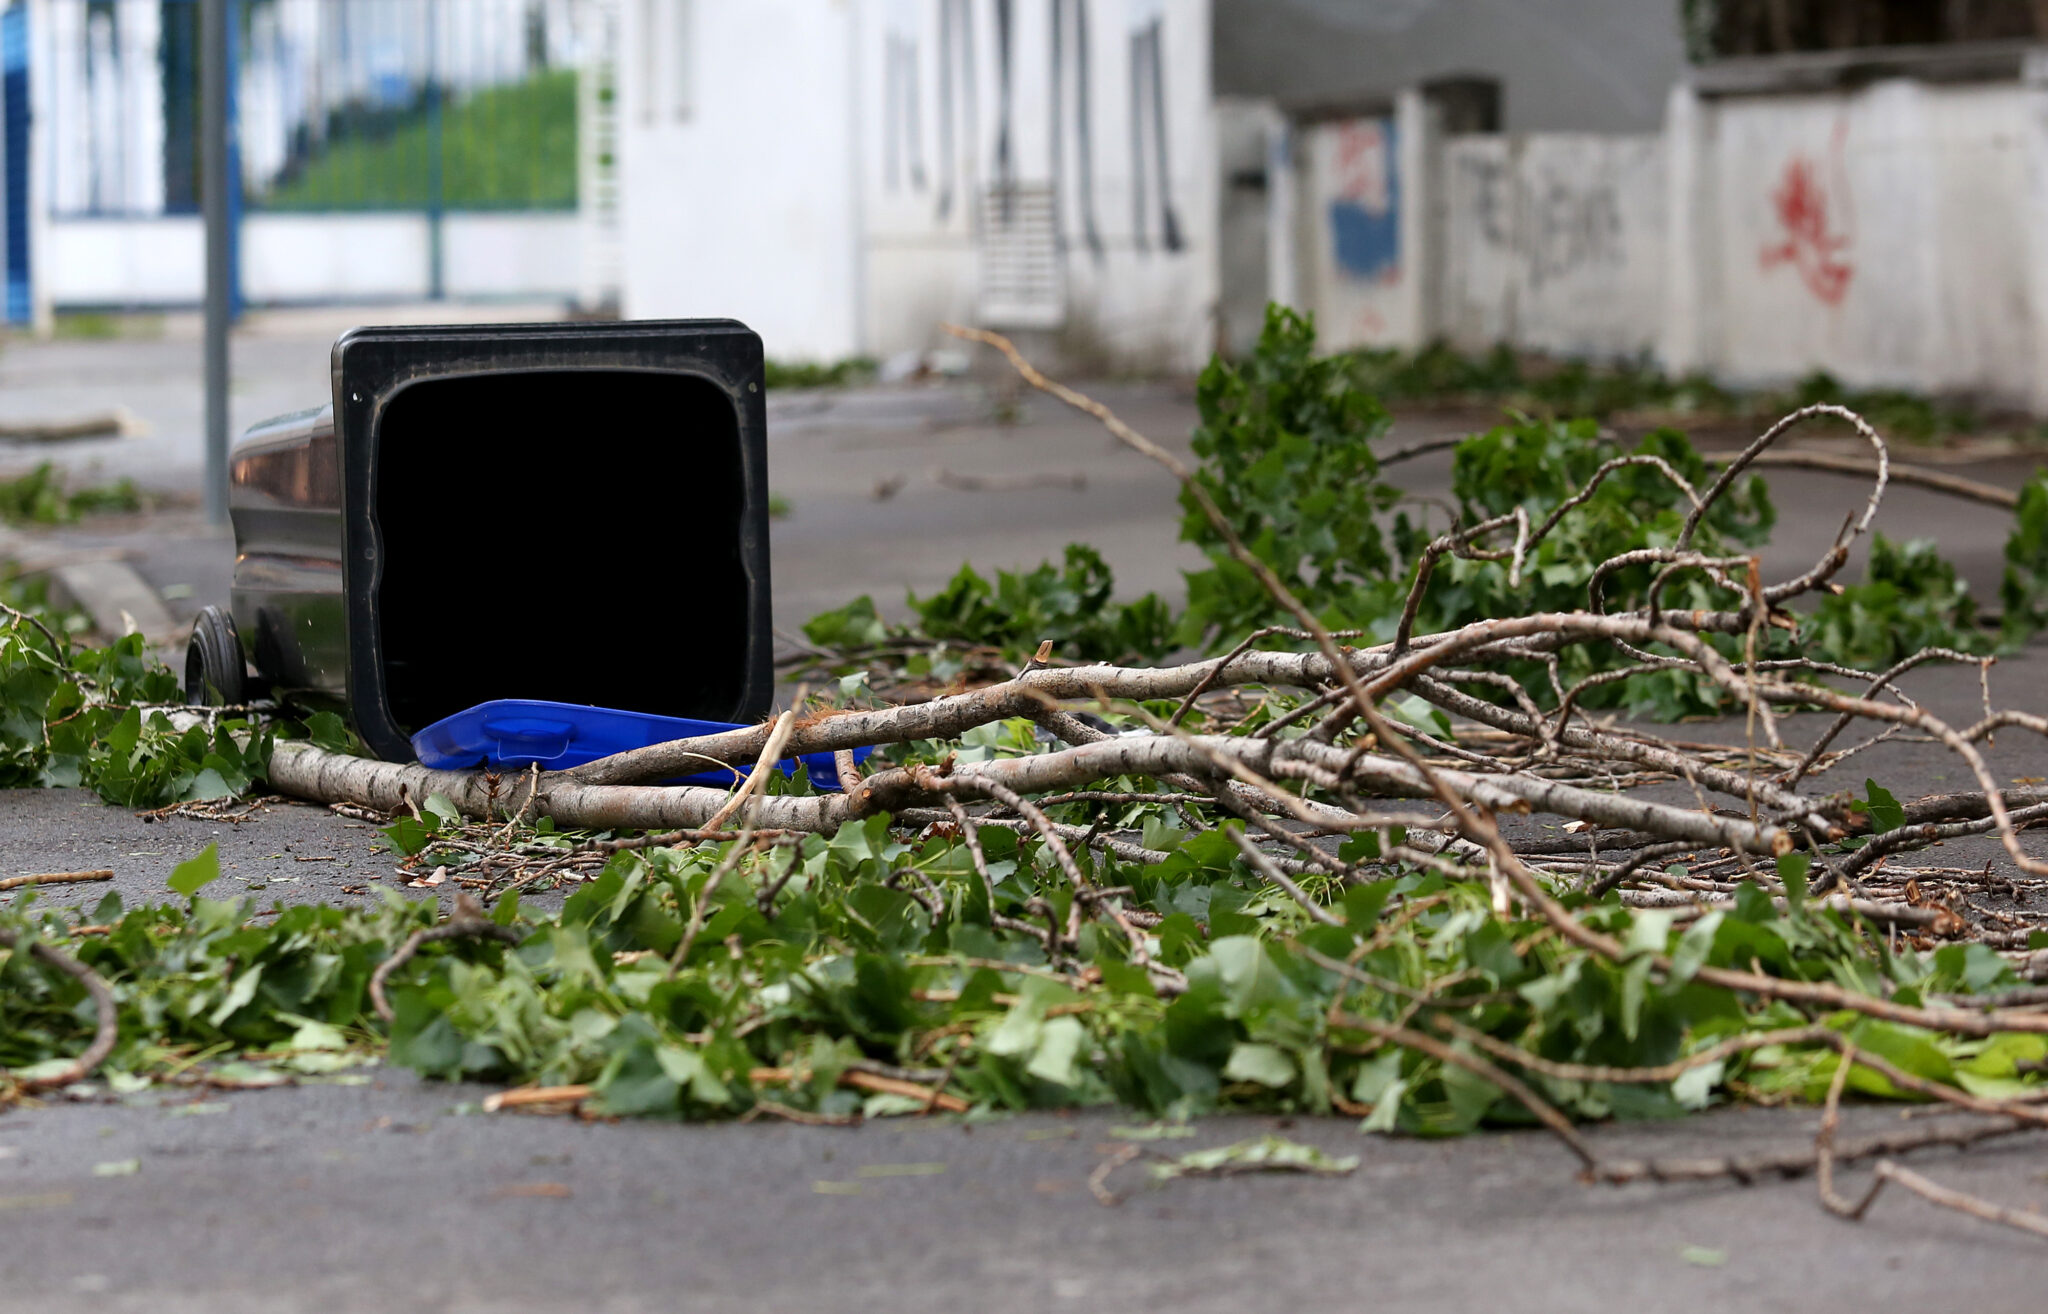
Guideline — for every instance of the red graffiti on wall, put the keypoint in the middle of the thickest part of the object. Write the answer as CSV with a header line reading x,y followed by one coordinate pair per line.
x,y
1810,245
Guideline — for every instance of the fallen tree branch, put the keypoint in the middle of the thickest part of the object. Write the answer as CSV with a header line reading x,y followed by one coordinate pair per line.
x,y
56,878
106,1010
1313,753
1919,476
306,771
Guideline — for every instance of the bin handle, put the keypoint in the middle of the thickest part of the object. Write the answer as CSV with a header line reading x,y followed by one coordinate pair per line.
x,y
531,736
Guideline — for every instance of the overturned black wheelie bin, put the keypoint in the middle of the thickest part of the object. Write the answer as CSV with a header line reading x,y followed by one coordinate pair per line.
x,y
570,513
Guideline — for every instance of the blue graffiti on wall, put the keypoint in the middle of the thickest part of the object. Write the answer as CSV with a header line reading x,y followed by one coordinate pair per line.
x,y
1365,214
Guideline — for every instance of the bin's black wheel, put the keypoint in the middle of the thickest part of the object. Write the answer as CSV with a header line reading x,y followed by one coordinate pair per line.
x,y
214,672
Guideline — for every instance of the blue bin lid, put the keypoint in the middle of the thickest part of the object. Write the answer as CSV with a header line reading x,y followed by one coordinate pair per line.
x,y
520,732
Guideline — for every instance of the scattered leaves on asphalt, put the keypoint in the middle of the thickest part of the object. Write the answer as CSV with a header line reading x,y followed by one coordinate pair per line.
x,y
1263,1154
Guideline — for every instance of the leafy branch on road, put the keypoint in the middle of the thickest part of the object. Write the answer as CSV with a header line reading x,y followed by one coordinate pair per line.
x,y
1439,375
1294,876
1292,451
71,714
44,496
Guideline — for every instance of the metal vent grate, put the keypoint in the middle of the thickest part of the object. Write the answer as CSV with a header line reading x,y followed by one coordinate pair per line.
x,y
1023,282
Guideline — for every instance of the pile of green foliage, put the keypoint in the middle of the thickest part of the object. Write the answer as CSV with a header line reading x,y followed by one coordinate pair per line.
x,y
72,714
1288,444
44,496
814,956
1069,604
815,374
864,948
1439,374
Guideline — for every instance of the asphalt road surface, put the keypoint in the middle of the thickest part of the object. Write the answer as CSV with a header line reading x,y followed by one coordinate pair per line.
x,y
397,1195
401,1198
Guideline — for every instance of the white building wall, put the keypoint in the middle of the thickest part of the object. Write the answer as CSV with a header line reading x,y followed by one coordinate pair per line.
x,y
1555,242
1133,180
1883,235
926,105
826,180
736,149
1143,300
1894,235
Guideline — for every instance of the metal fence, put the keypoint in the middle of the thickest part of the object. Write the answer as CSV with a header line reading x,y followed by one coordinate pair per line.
x,y
338,105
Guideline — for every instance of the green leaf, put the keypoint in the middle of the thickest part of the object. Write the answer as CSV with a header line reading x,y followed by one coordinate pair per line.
x,y
209,784
1385,1117
1694,947
2003,1054
425,1037
1792,869
1157,1131
250,1075
1635,982
1974,968
1057,1056
1649,931
1362,903
1490,947
409,836
1694,1087
197,872
328,731
1264,1154
1885,812
930,1169
313,1035
1268,1065
637,1082
687,1068
239,995
854,625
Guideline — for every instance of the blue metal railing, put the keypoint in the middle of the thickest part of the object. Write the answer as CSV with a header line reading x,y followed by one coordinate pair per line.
x,y
14,189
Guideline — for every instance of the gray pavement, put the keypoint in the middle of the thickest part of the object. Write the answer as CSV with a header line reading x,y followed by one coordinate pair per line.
x,y
395,1195
398,1196
295,852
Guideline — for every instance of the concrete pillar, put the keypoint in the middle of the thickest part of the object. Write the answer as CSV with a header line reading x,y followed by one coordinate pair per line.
x,y
2034,145
1283,202
1683,345
1417,139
